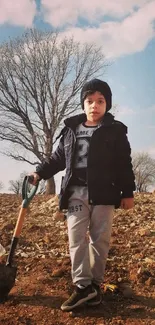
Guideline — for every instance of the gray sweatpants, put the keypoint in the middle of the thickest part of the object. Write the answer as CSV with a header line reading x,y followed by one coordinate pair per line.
x,y
88,253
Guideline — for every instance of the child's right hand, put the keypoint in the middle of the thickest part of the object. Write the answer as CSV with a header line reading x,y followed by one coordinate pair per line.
x,y
127,203
34,178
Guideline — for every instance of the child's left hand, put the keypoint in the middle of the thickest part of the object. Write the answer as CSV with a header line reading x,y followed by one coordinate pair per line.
x,y
127,203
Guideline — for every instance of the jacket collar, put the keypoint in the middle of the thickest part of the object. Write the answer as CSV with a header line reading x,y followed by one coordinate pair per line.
x,y
74,121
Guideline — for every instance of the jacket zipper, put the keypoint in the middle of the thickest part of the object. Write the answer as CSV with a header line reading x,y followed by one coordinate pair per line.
x,y
71,157
89,199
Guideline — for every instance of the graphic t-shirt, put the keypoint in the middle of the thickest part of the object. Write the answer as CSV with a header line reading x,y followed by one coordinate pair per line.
x,y
83,136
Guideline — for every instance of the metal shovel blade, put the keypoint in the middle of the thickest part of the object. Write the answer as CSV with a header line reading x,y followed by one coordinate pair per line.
x,y
8,272
7,280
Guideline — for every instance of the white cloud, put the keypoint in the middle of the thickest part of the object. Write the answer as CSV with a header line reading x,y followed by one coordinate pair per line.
x,y
17,12
128,35
60,12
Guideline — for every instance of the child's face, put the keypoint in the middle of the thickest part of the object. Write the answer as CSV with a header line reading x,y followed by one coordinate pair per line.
x,y
95,107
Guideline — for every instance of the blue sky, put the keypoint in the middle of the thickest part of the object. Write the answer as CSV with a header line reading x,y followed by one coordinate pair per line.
x,y
126,32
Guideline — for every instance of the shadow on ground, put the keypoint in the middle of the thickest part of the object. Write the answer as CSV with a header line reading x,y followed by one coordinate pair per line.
x,y
111,306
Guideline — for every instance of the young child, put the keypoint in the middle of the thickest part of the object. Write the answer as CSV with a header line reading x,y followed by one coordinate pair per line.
x,y
95,151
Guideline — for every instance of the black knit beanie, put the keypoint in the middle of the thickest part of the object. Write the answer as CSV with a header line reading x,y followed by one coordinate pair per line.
x,y
97,85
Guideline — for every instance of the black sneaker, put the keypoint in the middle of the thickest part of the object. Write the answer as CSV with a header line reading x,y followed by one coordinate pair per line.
x,y
97,299
78,297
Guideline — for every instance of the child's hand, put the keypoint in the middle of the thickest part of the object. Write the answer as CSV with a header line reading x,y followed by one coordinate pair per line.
x,y
35,178
127,203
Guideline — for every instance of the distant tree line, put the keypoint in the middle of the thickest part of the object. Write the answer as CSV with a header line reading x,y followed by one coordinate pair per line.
x,y
1,186
16,185
143,166
144,170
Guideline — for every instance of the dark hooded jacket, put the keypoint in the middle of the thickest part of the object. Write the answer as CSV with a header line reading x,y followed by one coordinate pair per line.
x,y
109,168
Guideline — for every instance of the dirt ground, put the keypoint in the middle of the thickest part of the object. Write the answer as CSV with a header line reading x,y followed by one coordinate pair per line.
x,y
43,278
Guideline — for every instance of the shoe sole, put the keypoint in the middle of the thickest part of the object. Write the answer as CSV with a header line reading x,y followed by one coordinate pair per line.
x,y
80,302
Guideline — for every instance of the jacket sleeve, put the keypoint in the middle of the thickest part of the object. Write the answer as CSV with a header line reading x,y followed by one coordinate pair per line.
x,y
54,164
125,175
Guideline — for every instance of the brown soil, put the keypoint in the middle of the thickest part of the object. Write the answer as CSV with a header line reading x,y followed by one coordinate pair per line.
x,y
43,278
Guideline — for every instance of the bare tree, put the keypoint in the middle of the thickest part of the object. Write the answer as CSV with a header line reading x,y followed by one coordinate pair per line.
x,y
42,187
40,77
1,185
144,169
16,185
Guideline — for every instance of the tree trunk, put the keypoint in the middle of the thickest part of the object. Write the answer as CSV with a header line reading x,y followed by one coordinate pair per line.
x,y
50,186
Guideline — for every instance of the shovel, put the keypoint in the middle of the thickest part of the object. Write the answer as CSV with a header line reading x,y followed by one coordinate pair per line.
x,y
8,272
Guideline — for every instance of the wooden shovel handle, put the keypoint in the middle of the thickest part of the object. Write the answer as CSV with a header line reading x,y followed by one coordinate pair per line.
x,y
27,197
19,223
